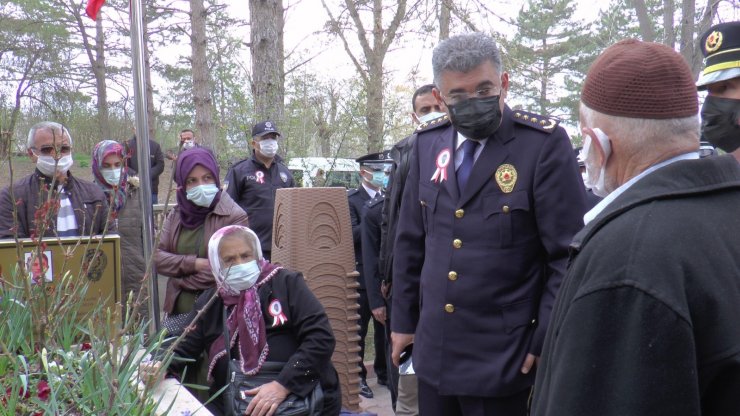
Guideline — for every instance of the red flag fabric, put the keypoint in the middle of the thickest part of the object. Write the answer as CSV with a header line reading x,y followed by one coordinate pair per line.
x,y
93,7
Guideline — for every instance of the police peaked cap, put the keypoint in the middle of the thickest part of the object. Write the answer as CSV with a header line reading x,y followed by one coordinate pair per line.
x,y
720,46
375,160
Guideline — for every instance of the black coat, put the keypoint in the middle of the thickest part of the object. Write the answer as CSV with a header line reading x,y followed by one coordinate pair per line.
x,y
357,199
252,185
646,320
305,341
371,250
476,270
156,159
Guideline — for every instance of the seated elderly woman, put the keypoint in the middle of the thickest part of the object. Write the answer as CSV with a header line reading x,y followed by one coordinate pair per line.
x,y
272,316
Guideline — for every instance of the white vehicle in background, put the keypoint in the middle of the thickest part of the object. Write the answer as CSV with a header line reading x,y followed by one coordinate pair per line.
x,y
307,171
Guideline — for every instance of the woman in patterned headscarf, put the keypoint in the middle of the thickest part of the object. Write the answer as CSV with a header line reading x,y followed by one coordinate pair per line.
x,y
120,185
272,316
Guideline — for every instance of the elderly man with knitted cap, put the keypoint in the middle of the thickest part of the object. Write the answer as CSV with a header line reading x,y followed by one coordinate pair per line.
x,y
646,319
720,114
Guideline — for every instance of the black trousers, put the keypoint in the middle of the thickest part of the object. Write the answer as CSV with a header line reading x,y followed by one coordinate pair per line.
x,y
431,403
378,340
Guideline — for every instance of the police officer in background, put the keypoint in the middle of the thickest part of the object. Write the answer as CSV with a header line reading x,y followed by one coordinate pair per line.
x,y
252,182
373,178
720,114
370,245
492,200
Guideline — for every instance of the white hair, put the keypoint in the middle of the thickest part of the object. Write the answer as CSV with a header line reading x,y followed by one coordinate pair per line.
x,y
642,135
52,126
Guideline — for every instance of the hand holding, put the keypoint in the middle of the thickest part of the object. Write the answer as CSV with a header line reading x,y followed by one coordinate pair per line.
x,y
267,398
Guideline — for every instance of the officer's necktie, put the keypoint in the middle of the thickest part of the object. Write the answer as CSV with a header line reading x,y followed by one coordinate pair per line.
x,y
463,172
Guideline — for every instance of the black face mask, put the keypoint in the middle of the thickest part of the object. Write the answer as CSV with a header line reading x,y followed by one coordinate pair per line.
x,y
720,119
476,118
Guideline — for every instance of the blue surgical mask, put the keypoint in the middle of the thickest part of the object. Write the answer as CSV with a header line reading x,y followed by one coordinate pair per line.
x,y
202,195
430,116
242,276
379,179
112,176
385,182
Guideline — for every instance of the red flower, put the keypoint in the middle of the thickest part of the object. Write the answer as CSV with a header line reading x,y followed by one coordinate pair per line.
x,y
85,346
44,390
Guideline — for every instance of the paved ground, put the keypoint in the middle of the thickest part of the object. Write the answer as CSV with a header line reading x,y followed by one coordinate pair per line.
x,y
380,404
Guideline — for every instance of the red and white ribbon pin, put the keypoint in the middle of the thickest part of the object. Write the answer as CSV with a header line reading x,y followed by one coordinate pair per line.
x,y
443,159
260,176
276,311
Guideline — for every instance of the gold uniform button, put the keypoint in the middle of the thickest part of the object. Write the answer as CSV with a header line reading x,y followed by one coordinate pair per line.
x,y
460,213
452,276
450,308
457,243
506,209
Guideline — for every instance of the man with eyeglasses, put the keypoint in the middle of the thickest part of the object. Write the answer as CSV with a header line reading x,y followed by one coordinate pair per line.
x,y
78,207
492,200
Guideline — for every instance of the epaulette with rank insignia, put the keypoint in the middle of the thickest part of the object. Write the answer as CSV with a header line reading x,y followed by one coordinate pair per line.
x,y
536,121
351,192
434,123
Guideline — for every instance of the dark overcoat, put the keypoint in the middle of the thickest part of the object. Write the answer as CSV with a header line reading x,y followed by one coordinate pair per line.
x,y
646,320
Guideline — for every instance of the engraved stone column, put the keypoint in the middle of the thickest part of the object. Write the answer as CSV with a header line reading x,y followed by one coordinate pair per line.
x,y
312,233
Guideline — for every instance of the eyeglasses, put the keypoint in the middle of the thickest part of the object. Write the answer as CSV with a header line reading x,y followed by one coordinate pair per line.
x,y
457,97
48,150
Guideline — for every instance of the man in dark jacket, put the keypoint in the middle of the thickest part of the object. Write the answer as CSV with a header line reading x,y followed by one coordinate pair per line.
x,y
156,168
373,175
492,200
78,207
646,320
252,182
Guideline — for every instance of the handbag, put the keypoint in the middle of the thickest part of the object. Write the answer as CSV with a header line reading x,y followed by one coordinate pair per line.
x,y
236,400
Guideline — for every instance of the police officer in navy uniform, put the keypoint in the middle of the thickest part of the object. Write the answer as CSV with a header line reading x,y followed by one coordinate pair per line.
x,y
252,182
372,174
720,113
491,203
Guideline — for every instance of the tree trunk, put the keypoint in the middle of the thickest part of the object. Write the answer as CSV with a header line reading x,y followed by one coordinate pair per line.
x,y
704,24
444,19
96,56
201,83
268,86
99,71
151,120
646,25
687,47
669,10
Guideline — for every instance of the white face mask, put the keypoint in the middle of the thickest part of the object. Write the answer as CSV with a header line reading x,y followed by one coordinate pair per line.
x,y
429,116
242,276
112,176
595,176
202,195
188,144
269,147
48,166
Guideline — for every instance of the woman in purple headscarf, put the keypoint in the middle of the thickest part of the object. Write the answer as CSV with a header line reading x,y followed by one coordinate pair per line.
x,y
120,184
272,315
202,208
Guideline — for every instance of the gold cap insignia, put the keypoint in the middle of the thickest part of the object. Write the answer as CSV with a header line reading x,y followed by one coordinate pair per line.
x,y
714,41
506,177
